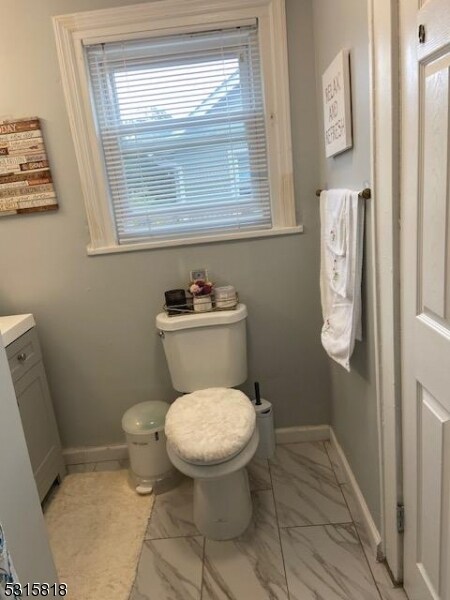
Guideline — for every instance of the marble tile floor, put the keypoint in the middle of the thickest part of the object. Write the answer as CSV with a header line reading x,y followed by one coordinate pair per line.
x,y
305,542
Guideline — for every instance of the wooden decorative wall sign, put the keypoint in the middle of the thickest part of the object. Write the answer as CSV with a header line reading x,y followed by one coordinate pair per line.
x,y
337,114
25,179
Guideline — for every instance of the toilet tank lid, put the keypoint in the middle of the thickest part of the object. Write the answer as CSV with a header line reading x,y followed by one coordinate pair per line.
x,y
220,317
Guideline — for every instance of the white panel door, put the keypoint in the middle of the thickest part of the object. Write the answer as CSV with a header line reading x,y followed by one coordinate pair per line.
x,y
425,272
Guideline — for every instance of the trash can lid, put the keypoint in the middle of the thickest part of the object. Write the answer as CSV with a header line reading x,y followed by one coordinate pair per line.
x,y
145,417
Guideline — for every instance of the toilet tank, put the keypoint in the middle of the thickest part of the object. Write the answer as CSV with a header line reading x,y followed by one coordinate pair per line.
x,y
206,349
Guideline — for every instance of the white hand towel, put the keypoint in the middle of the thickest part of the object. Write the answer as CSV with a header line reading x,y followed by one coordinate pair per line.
x,y
335,232
342,230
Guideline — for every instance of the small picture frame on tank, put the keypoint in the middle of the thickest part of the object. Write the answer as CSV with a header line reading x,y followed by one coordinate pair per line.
x,y
198,274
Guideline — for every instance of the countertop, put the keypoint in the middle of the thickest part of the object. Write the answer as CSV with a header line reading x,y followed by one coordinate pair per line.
x,y
12,327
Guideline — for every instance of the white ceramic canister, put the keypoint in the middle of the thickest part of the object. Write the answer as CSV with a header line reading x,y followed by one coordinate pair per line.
x,y
225,296
202,303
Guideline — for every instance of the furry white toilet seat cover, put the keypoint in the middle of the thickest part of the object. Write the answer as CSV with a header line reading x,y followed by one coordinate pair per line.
x,y
210,426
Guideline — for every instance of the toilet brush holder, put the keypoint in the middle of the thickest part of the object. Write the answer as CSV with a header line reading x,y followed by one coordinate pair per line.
x,y
264,422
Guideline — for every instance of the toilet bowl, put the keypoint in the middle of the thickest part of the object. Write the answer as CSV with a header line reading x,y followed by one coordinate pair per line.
x,y
211,430
222,500
211,437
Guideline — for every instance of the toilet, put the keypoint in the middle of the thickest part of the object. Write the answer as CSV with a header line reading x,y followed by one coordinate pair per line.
x,y
211,429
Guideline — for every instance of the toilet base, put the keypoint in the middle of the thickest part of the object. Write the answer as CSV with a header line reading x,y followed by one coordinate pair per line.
x,y
223,506
222,501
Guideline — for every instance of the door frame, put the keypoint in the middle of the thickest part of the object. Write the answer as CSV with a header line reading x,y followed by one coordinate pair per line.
x,y
385,156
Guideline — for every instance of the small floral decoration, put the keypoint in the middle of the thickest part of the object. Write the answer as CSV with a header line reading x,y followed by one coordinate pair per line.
x,y
201,287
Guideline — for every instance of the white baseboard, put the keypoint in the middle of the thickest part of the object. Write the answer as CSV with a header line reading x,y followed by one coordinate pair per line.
x,y
307,433
364,512
90,454
284,435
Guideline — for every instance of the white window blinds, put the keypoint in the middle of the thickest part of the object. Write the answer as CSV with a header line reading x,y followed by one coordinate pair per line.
x,y
181,122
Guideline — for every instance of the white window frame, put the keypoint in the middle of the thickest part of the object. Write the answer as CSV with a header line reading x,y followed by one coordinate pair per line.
x,y
165,17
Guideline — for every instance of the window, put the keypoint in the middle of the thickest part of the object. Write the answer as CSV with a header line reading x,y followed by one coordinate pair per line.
x,y
181,121
176,140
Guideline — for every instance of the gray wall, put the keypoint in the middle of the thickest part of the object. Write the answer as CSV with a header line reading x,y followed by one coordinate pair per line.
x,y
96,314
339,24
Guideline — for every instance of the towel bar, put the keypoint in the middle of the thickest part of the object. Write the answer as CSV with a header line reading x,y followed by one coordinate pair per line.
x,y
365,193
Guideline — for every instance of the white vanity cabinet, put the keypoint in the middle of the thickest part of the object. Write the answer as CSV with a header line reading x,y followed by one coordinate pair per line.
x,y
36,409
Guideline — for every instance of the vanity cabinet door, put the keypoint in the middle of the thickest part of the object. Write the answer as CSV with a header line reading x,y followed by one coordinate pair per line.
x,y
23,353
39,426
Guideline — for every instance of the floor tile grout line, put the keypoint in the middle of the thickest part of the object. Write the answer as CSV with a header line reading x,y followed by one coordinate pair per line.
x,y
341,484
141,550
173,537
203,568
352,519
279,530
368,564
334,472
316,525
303,442
362,546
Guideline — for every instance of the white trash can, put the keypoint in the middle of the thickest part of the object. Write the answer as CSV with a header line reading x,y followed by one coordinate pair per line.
x,y
150,467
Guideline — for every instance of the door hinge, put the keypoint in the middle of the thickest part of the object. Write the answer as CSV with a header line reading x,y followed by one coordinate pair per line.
x,y
421,34
400,518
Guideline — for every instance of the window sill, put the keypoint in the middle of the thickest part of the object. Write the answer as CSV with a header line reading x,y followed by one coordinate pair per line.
x,y
204,239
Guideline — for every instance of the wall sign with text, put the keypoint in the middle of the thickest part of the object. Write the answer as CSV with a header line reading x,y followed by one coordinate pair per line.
x,y
337,114
25,180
